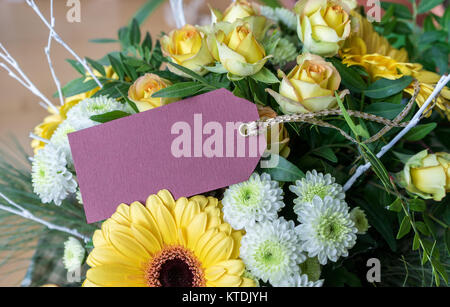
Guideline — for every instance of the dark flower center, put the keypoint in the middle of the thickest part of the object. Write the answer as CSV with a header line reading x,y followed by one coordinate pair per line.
x,y
175,267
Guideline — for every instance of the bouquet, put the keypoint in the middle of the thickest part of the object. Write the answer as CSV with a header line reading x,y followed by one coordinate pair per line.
x,y
354,109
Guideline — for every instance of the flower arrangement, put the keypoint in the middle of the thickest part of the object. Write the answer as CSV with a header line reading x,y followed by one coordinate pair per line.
x,y
343,95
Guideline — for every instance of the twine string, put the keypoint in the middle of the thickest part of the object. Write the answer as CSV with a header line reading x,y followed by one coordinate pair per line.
x,y
260,127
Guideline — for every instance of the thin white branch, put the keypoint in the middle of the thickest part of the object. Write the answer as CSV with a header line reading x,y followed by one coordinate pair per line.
x,y
20,76
22,212
178,12
49,59
35,137
59,40
414,122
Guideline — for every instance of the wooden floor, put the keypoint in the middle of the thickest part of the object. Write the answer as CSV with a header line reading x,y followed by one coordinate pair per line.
x,y
25,37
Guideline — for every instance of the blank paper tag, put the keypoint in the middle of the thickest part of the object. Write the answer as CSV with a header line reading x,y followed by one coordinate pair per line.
x,y
189,147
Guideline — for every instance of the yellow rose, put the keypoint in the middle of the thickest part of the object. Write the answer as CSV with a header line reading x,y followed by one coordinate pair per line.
x,y
277,140
322,25
239,9
243,11
187,47
309,87
237,49
427,175
142,90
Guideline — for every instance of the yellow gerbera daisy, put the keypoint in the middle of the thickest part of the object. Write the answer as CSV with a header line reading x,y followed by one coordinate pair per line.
x,y
368,49
46,129
167,243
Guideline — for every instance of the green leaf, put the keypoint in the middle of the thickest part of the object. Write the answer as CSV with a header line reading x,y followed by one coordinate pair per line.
x,y
326,153
110,116
350,78
385,110
417,205
285,171
428,5
192,74
266,76
423,228
416,242
396,206
135,33
272,3
78,86
405,228
103,41
385,88
377,166
179,90
447,239
97,66
145,11
400,10
77,66
117,67
419,132
347,118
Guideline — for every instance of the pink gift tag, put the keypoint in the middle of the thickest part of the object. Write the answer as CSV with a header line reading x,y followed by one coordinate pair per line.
x,y
189,147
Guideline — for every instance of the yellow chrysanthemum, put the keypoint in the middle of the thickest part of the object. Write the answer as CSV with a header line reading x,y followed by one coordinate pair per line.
x,y
368,49
46,129
167,243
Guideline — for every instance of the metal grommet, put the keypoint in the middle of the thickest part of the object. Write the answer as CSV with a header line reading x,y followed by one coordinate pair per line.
x,y
244,130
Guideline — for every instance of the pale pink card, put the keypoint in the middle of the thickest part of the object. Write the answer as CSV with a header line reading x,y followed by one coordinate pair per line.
x,y
128,159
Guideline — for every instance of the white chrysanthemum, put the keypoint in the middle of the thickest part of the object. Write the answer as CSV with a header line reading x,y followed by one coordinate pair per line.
x,y
281,15
315,184
271,250
79,115
256,200
52,181
74,254
299,281
61,140
326,229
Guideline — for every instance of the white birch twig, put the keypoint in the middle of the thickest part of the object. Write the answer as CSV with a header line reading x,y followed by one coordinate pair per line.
x,y
49,59
416,119
22,212
59,40
178,12
17,73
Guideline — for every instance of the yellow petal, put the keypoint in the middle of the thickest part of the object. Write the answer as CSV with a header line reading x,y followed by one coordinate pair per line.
x,y
214,273
116,276
166,222
141,216
195,229
127,246
167,198
146,239
220,252
227,281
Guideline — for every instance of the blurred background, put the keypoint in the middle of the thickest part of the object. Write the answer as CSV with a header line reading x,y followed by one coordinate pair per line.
x,y
25,36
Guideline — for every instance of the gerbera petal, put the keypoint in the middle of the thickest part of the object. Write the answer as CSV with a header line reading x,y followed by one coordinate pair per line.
x,y
167,198
165,219
116,276
220,252
146,239
228,281
141,216
234,267
195,229
127,245
214,273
